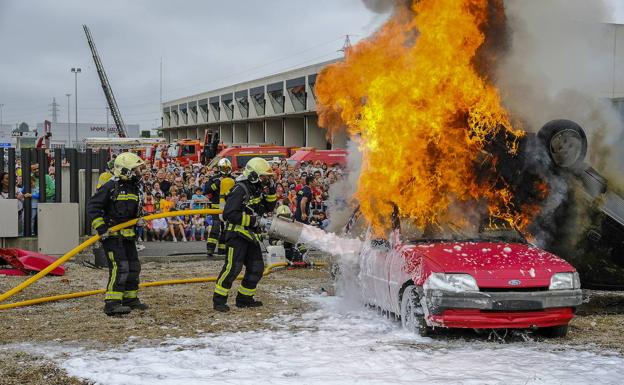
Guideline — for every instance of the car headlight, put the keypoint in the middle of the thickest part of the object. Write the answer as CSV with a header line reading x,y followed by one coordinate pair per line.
x,y
565,281
451,282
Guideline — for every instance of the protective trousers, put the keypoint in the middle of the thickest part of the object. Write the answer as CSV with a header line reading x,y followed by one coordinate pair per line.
x,y
239,253
123,269
215,241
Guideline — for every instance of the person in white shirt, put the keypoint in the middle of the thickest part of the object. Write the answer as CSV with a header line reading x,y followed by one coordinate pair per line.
x,y
160,227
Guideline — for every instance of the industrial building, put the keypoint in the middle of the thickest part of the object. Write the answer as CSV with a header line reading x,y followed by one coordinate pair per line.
x,y
279,109
64,134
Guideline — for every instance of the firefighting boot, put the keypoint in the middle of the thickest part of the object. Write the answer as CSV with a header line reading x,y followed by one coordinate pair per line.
x,y
219,303
210,250
243,301
115,308
135,304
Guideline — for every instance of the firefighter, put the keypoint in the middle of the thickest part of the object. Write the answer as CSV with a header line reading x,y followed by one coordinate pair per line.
x,y
118,201
251,197
294,253
217,187
106,175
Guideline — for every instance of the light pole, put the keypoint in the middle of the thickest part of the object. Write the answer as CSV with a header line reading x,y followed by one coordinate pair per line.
x,y
68,123
76,71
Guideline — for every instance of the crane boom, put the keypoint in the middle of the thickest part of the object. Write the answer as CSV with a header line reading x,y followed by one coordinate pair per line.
x,y
108,92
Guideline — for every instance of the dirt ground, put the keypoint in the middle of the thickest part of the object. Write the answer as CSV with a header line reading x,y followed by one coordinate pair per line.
x,y
186,311
175,311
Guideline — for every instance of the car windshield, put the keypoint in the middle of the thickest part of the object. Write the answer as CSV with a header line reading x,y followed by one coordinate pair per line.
x,y
490,232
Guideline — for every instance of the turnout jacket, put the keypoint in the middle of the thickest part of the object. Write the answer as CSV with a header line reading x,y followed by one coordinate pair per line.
x,y
115,202
244,202
213,188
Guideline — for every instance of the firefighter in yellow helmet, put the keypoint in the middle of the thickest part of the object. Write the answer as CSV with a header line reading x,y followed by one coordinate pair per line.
x,y
294,253
106,175
217,188
115,202
252,196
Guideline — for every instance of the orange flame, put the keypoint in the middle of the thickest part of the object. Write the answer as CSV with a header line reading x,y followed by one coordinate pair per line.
x,y
422,114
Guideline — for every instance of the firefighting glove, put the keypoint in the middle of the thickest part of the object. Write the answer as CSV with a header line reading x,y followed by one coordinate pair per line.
x,y
261,222
105,234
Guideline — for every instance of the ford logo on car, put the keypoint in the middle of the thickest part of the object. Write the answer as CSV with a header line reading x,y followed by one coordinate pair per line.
x,y
514,282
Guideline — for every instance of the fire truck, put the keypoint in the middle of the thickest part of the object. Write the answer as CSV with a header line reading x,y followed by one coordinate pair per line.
x,y
146,148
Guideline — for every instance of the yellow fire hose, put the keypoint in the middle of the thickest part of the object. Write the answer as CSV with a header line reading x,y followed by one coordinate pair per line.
x,y
90,242
79,294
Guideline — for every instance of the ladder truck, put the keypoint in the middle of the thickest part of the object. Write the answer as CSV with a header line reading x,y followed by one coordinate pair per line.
x,y
108,92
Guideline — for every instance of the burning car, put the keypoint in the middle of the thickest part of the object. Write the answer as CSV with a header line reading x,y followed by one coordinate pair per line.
x,y
490,280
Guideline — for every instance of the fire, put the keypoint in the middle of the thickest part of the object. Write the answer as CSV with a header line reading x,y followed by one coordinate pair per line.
x,y
423,112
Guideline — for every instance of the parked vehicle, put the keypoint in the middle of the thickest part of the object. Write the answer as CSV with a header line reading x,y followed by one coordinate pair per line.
x,y
146,148
329,157
496,280
239,156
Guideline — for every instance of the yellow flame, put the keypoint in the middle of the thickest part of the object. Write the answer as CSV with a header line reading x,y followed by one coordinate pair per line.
x,y
413,99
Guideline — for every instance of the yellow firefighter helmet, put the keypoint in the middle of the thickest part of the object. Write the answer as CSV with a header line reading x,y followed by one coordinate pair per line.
x,y
255,168
125,164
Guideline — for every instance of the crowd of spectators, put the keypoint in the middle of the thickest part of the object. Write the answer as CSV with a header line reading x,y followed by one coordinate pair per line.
x,y
176,187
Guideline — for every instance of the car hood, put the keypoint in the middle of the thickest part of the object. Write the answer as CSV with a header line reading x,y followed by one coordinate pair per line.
x,y
494,264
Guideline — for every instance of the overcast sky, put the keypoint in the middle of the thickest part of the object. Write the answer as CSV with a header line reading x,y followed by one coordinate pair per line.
x,y
204,44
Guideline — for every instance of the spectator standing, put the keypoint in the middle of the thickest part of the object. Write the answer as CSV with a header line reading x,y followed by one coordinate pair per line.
x,y
304,198
49,182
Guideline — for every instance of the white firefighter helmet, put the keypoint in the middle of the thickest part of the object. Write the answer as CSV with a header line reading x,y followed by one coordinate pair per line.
x,y
225,166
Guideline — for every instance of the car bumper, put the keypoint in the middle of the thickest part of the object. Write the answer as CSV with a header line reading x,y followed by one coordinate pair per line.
x,y
501,310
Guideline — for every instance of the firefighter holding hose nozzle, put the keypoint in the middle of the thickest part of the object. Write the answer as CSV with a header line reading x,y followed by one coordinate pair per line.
x,y
251,197
117,201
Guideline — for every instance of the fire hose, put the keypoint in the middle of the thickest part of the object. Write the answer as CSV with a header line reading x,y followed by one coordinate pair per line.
x,y
92,241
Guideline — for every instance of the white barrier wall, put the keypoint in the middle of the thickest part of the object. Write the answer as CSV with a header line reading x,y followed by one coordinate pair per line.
x,y
59,227
8,218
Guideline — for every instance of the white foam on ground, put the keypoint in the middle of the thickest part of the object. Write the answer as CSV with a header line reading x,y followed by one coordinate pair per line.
x,y
335,346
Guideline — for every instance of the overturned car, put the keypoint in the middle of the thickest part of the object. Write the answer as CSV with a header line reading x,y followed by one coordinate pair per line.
x,y
588,227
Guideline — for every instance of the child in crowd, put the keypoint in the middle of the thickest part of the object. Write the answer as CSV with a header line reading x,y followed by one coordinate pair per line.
x,y
197,226
160,229
199,199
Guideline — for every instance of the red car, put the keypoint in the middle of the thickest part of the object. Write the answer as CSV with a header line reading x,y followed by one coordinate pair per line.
x,y
494,281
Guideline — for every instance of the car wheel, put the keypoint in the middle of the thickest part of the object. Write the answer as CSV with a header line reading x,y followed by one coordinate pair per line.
x,y
412,314
565,142
559,331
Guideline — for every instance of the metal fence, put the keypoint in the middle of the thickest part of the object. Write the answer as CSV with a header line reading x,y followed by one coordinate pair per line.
x,y
71,158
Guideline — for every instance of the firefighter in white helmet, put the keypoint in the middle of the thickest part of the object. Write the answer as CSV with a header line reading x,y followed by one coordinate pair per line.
x,y
115,202
252,196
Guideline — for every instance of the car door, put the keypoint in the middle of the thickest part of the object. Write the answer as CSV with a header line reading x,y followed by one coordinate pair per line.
x,y
372,261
